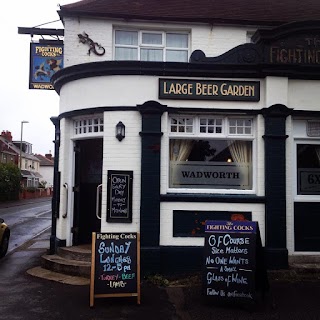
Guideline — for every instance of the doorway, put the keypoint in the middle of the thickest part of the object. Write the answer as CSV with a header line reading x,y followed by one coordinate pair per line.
x,y
87,190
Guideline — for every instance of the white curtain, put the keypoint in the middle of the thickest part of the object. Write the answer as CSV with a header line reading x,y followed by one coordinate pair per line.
x,y
176,55
240,151
318,153
126,54
180,149
176,40
151,55
126,37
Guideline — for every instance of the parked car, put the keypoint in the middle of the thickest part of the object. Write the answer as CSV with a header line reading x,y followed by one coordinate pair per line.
x,y
4,238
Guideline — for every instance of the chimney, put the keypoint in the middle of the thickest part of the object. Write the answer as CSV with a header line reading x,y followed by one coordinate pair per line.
x,y
7,135
48,156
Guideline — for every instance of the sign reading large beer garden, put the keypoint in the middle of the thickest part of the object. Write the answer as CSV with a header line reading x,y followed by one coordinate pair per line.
x,y
209,90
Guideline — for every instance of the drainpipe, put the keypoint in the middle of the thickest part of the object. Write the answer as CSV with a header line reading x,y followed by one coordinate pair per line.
x,y
56,186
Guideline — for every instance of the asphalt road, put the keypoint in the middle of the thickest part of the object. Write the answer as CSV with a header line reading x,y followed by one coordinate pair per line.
x,y
24,297
26,219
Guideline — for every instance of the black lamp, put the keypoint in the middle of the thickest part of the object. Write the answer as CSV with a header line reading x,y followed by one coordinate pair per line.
x,y
120,131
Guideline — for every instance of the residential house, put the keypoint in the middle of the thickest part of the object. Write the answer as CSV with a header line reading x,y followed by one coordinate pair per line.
x,y
29,163
46,169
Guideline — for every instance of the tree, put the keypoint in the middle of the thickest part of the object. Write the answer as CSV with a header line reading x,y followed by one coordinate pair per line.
x,y
9,181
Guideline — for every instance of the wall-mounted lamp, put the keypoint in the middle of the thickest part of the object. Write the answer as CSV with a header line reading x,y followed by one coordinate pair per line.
x,y
120,131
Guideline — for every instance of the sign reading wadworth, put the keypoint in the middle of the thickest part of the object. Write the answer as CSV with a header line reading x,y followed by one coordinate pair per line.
x,y
209,90
45,61
196,174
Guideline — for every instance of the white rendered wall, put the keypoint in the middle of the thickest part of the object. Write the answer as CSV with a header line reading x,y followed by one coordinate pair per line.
x,y
166,221
213,40
64,168
132,90
122,155
47,175
304,94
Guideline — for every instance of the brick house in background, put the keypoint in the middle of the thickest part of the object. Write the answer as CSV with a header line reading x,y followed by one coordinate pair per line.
x,y
30,165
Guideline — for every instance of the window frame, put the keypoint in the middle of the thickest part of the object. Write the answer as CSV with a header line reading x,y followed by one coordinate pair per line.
x,y
163,46
302,197
87,125
214,136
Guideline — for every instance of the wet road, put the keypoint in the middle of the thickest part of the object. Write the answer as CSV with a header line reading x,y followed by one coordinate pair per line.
x,y
26,221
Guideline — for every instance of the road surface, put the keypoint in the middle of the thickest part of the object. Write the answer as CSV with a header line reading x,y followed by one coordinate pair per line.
x,y
26,220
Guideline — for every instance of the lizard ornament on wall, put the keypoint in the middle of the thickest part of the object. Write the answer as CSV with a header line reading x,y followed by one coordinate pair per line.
x,y
94,46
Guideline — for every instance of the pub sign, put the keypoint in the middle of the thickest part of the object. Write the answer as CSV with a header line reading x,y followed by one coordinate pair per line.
x,y
45,61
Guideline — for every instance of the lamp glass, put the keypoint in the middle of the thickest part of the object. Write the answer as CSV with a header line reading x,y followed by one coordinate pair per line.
x,y
120,131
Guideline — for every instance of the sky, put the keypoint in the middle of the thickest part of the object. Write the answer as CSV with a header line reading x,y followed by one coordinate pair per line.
x,y
17,102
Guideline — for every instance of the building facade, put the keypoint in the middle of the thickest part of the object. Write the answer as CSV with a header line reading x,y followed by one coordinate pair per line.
x,y
170,117
20,153
46,169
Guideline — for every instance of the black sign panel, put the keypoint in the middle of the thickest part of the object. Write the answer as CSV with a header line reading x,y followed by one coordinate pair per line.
x,y
230,260
115,265
224,90
119,196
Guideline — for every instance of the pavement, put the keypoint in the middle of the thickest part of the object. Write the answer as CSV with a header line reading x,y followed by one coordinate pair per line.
x,y
27,293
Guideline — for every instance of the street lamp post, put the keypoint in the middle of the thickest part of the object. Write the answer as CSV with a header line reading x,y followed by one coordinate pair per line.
x,y
20,159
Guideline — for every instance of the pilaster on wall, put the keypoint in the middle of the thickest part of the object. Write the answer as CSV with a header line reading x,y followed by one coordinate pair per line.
x,y
275,186
151,113
276,91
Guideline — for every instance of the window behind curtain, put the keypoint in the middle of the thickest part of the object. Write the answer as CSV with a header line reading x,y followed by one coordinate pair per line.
x,y
210,152
308,169
151,46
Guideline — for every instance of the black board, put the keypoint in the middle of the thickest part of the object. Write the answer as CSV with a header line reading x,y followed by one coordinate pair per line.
x,y
119,190
115,265
230,264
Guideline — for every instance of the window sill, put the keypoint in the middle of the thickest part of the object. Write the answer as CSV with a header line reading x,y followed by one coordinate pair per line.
x,y
231,198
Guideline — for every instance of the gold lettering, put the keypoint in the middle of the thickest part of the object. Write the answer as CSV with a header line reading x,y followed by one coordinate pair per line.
x,y
198,89
311,56
236,90
283,56
223,90
172,89
165,87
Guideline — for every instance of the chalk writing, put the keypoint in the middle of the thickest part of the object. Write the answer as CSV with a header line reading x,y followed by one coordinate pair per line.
x,y
119,196
229,259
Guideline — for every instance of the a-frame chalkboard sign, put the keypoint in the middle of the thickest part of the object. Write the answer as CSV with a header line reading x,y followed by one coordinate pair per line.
x,y
115,266
234,270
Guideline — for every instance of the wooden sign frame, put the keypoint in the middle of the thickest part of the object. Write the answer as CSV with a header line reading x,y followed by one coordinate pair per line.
x,y
94,295
230,261
119,192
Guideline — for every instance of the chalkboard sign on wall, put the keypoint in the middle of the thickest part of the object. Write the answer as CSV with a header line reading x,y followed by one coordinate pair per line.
x,y
119,207
115,266
230,260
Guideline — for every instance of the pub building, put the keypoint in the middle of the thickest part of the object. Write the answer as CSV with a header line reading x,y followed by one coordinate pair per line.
x,y
177,112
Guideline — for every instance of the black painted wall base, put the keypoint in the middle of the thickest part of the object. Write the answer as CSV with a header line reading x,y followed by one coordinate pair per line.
x,y
276,258
181,260
149,261
55,243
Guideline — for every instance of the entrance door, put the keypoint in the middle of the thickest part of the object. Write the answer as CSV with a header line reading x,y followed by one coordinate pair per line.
x,y
87,190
